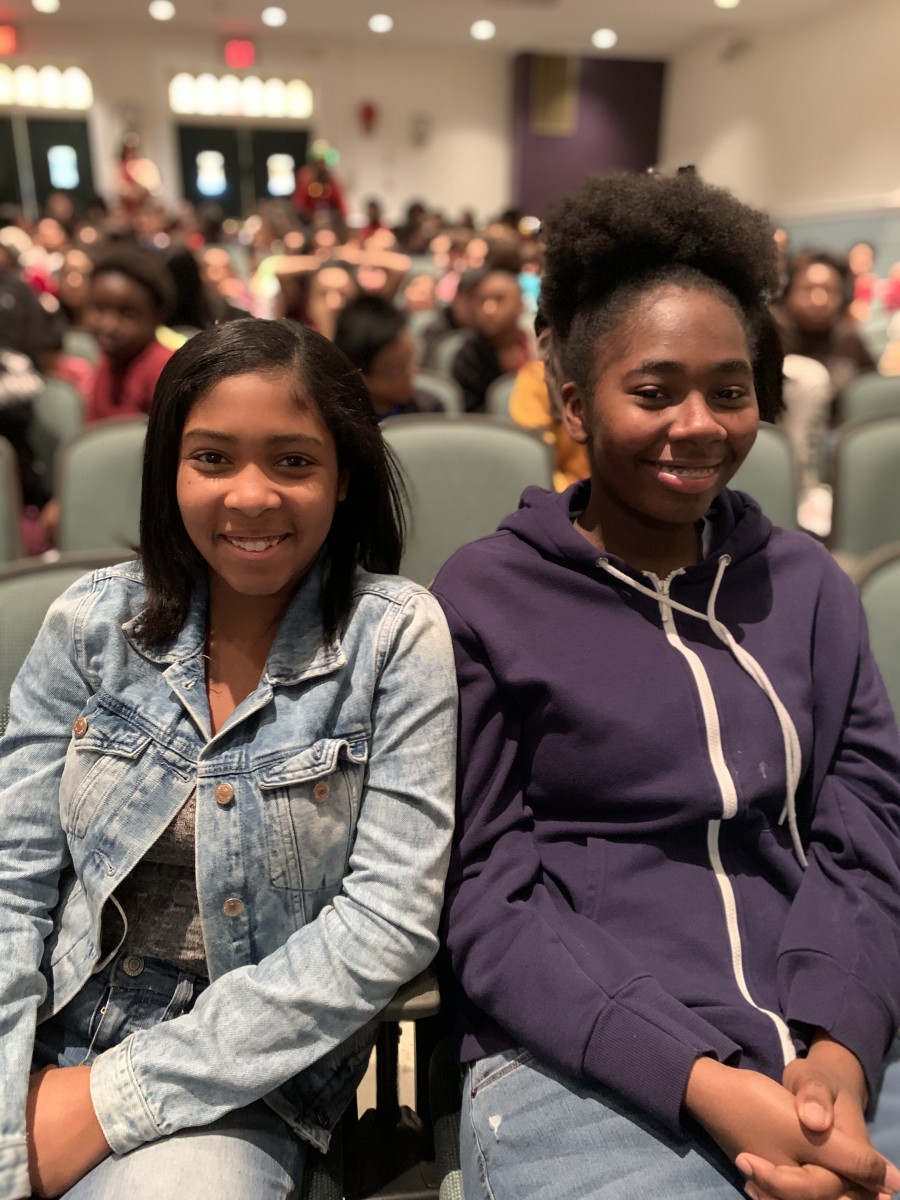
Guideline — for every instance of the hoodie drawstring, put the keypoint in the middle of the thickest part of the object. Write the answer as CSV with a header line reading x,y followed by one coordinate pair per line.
x,y
792,754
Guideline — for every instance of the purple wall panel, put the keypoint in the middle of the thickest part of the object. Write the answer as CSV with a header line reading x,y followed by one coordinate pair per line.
x,y
617,128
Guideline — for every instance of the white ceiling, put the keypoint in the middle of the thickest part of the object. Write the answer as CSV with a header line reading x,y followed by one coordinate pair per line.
x,y
646,28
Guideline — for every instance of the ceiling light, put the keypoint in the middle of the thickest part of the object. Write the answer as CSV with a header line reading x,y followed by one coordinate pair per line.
x,y
45,6
727,3
604,39
483,31
161,10
273,17
381,23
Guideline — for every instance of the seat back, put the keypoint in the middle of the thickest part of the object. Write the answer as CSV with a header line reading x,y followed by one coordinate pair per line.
x,y
99,486
462,477
27,590
10,504
879,584
870,395
866,486
446,349
769,475
57,416
499,394
444,389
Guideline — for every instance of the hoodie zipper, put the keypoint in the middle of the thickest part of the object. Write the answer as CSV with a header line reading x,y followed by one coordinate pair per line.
x,y
728,793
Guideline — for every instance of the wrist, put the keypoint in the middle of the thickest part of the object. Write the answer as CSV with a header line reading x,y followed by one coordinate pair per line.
x,y
842,1063
707,1085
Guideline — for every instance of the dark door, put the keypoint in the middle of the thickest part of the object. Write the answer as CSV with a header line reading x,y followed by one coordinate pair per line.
x,y
212,163
10,193
60,158
278,154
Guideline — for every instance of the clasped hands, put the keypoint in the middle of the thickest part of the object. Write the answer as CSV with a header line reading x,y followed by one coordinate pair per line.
x,y
804,1139
65,1139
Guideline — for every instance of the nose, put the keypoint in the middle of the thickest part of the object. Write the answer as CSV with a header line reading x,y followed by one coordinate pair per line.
x,y
694,420
251,492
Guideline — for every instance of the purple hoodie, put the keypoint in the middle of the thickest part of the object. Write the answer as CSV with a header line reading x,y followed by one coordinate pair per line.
x,y
623,896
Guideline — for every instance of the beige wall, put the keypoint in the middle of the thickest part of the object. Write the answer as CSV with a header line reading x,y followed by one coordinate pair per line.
x,y
465,94
804,121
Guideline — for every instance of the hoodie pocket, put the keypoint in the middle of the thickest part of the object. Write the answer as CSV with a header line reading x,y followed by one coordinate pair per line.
x,y
311,801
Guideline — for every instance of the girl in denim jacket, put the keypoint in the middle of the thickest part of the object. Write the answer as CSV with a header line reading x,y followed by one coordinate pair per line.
x,y
226,796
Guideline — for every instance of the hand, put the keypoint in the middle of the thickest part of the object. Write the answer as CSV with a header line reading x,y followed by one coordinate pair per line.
x,y
754,1120
829,1091
65,1139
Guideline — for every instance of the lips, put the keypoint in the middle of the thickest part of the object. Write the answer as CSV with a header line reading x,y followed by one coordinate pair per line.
x,y
254,543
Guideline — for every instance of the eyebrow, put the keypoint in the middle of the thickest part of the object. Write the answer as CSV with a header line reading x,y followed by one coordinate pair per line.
x,y
276,439
663,366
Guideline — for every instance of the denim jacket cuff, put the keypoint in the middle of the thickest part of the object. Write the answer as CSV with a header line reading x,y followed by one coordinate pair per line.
x,y
14,1182
120,1105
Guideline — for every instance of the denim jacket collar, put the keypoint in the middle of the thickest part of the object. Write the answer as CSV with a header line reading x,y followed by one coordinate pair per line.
x,y
299,651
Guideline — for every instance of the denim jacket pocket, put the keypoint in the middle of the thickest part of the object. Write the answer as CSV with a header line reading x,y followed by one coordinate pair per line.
x,y
102,752
310,803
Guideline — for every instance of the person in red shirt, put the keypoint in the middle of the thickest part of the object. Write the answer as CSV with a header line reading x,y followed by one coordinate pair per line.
x,y
130,296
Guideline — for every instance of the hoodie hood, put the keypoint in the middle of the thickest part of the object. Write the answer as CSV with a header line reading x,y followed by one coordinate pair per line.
x,y
543,520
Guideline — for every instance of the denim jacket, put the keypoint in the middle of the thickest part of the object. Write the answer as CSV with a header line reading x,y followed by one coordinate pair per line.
x,y
324,816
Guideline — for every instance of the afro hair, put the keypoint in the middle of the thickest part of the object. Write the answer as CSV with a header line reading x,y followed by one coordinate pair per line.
x,y
620,234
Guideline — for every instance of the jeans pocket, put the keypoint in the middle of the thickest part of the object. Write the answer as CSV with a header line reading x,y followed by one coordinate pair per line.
x,y
493,1068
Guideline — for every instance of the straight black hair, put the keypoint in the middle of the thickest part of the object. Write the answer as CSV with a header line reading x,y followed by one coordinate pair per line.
x,y
368,525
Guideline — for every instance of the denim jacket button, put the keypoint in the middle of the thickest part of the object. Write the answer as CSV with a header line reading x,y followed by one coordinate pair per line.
x,y
80,726
224,793
133,965
321,791
233,907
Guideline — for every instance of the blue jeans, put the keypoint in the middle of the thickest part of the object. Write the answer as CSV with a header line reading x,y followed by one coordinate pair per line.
x,y
529,1132
250,1152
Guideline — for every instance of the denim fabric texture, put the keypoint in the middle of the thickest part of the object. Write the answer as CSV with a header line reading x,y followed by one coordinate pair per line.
x,y
324,817
249,1152
527,1131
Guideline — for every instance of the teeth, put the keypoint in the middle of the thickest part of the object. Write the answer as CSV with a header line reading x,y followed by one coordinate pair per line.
x,y
690,472
256,546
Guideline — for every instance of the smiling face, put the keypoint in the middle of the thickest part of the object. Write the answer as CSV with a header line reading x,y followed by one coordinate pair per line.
x,y
673,412
122,315
258,482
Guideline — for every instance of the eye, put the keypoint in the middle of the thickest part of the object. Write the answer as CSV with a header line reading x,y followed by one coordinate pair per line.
x,y
651,395
732,395
208,458
295,461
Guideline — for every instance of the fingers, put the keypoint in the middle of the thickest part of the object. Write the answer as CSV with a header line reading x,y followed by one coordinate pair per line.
x,y
815,1105
766,1181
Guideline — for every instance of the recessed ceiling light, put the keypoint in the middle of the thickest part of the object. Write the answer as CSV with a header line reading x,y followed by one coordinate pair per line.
x,y
161,10
381,23
727,3
45,6
604,39
483,31
273,17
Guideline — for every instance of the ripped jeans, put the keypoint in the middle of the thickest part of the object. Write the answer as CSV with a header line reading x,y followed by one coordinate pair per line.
x,y
251,1152
526,1131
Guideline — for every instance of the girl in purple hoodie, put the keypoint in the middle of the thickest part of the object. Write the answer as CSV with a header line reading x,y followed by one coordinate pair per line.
x,y
674,902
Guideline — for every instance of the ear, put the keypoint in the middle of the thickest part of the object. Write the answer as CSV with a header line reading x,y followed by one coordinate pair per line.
x,y
343,485
574,415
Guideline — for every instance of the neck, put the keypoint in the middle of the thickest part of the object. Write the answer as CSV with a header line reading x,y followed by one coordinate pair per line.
x,y
645,545
243,621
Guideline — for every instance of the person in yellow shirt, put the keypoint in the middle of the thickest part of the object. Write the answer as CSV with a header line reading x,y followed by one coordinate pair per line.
x,y
535,404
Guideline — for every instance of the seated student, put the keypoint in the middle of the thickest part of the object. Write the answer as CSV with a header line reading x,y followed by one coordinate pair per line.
x,y
375,337
673,906
130,296
460,313
226,797
813,318
536,403
498,345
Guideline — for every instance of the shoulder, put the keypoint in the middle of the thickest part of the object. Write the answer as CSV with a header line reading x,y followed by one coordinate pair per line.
x,y
390,612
